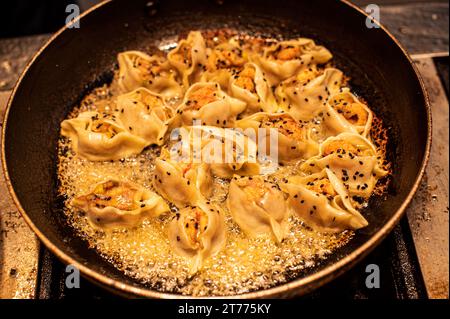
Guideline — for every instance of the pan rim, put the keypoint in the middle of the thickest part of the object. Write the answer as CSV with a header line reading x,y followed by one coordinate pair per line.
x,y
308,283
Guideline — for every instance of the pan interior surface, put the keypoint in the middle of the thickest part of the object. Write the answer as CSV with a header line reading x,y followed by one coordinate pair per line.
x,y
79,59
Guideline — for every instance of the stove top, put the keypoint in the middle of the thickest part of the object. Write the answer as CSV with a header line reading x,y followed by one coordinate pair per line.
x,y
400,276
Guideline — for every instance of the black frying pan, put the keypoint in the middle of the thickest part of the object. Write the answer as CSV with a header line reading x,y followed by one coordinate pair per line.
x,y
75,60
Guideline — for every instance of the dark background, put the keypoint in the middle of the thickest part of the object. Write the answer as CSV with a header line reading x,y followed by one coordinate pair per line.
x,y
27,17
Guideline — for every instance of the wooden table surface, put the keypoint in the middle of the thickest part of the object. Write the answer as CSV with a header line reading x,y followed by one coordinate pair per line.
x,y
422,27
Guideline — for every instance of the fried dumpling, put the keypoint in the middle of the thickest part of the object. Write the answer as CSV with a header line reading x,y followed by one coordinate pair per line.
x,y
230,152
305,101
249,85
294,142
322,202
226,151
226,55
115,203
100,137
197,233
137,69
145,114
353,159
285,59
258,207
182,183
225,59
207,103
221,77
189,58
345,113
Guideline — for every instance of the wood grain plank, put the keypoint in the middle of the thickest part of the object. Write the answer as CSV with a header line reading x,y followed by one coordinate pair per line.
x,y
14,56
421,26
428,212
19,247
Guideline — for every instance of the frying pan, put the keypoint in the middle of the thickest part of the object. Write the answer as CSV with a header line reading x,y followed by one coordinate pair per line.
x,y
76,60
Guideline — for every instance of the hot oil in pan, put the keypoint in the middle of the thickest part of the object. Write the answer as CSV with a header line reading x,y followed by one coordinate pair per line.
x,y
144,253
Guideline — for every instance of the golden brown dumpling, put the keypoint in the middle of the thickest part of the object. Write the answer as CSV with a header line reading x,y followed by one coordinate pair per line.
x,y
305,101
137,69
197,233
249,85
258,207
208,104
145,114
294,142
226,55
100,137
225,59
284,59
353,159
345,113
227,151
189,58
115,203
182,183
322,202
